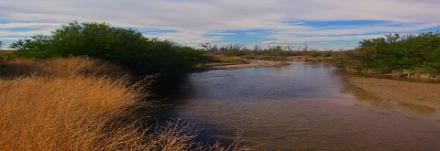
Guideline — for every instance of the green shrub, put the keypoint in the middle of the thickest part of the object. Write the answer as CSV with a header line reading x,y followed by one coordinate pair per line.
x,y
121,45
397,52
273,51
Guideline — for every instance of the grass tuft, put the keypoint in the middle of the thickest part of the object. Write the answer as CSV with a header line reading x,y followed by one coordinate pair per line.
x,y
81,104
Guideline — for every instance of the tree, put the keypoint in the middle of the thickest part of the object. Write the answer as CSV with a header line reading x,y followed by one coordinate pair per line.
x,y
121,45
18,45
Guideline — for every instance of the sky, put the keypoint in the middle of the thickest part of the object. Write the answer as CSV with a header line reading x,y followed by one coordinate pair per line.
x,y
320,24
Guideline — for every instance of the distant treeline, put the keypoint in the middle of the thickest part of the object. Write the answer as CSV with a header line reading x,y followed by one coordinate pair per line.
x,y
418,53
239,50
278,53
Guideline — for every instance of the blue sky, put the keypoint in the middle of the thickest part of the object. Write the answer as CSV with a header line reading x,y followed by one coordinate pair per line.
x,y
321,24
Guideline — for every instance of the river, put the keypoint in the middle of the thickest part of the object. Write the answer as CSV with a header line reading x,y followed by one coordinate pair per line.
x,y
297,107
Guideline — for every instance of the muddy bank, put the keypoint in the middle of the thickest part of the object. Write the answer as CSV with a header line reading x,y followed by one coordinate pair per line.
x,y
250,63
419,97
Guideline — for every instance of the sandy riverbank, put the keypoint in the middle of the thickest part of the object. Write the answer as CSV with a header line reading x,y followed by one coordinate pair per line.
x,y
250,63
419,95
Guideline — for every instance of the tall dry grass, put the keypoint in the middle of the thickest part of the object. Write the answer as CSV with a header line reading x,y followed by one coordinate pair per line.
x,y
80,104
57,105
39,113
71,66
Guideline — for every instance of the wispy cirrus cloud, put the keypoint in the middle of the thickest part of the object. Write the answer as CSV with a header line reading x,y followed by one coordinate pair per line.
x,y
243,36
326,24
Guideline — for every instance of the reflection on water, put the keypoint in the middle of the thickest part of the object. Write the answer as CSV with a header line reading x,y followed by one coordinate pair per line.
x,y
299,107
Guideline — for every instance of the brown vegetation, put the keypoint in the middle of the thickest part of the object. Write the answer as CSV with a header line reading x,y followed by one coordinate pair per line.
x,y
56,105
40,113
63,67
79,104
250,63
233,62
6,51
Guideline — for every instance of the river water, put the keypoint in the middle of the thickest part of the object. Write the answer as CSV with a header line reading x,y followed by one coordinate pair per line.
x,y
297,107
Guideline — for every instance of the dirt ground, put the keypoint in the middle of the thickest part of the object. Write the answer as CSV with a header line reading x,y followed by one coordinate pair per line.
x,y
406,93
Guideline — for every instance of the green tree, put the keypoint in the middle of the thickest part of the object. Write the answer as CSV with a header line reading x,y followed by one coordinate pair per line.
x,y
122,45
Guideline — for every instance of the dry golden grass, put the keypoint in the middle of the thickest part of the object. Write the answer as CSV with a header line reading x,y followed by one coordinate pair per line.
x,y
80,104
6,51
39,113
228,60
61,67
178,136
66,104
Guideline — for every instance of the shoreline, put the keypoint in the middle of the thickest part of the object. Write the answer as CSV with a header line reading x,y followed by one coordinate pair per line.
x,y
301,59
416,96
402,76
250,63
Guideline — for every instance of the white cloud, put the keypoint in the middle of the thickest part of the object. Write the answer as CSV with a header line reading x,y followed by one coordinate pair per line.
x,y
192,19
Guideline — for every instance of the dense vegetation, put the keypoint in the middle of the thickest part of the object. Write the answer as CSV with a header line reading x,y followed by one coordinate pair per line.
x,y
119,45
413,54
238,50
277,53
